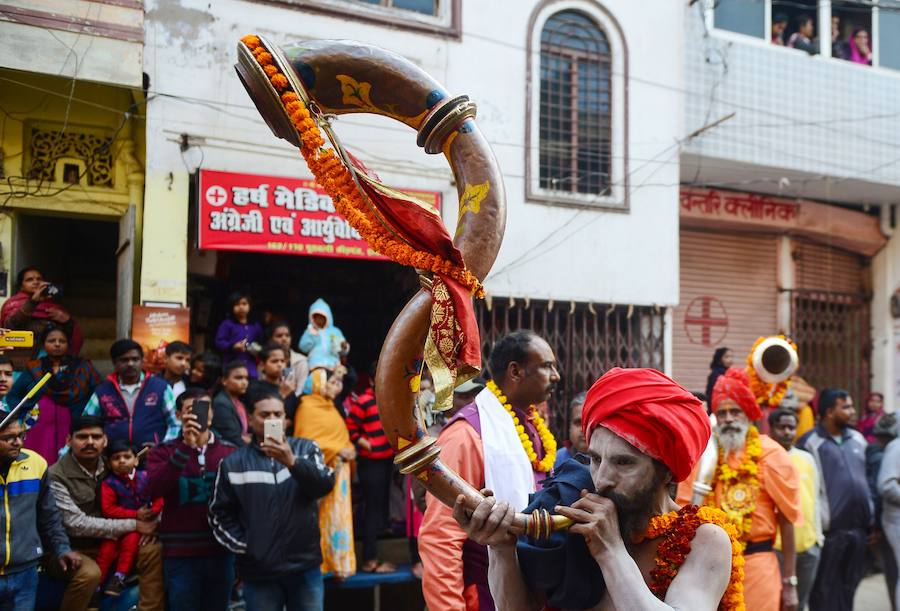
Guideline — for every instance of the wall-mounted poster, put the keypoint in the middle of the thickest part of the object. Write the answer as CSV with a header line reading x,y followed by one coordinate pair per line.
x,y
155,327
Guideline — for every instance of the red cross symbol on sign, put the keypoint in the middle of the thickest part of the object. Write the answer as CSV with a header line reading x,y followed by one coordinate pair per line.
x,y
216,195
706,321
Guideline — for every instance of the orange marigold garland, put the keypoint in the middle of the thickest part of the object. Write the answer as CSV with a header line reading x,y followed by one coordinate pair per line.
x,y
337,180
678,529
767,395
739,486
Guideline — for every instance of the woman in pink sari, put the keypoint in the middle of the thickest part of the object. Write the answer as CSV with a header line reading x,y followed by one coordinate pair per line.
x,y
860,49
32,309
72,383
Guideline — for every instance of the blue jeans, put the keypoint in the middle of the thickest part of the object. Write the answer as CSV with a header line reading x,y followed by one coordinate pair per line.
x,y
199,583
18,591
299,592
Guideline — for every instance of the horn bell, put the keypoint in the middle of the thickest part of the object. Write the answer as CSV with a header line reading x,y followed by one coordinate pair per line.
x,y
774,360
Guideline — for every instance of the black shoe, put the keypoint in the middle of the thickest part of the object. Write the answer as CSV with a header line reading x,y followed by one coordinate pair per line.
x,y
115,587
94,604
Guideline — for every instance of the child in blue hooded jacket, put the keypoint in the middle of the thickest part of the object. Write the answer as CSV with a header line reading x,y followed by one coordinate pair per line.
x,y
322,342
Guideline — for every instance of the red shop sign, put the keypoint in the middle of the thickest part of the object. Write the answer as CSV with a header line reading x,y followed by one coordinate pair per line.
x,y
248,212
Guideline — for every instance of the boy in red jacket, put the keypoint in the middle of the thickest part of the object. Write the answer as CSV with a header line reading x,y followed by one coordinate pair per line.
x,y
124,494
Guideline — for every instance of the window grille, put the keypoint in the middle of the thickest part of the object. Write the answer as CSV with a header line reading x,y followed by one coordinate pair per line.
x,y
575,106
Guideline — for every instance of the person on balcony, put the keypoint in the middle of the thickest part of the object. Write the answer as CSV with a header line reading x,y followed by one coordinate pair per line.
x,y
803,38
860,50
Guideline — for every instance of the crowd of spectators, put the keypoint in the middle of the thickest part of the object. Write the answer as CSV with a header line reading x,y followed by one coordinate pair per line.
x,y
854,45
225,476
849,485
229,473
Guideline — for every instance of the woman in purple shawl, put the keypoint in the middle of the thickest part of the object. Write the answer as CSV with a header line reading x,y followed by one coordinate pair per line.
x,y
62,398
858,44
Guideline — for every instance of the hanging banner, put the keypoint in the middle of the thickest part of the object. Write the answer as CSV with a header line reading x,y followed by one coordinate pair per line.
x,y
252,213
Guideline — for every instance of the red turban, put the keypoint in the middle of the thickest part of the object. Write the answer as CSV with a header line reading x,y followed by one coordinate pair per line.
x,y
653,413
735,385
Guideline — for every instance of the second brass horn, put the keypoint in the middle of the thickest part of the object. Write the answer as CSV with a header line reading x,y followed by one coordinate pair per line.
x,y
774,360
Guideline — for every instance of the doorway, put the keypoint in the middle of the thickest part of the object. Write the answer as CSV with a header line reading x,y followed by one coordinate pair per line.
x,y
79,256
365,296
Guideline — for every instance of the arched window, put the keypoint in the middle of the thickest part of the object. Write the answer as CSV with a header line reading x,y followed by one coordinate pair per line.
x,y
575,105
577,124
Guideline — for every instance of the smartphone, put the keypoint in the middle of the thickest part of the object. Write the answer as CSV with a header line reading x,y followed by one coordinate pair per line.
x,y
274,428
17,339
200,408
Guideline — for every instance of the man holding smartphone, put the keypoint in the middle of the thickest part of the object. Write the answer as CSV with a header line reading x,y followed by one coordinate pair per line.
x,y
198,571
265,510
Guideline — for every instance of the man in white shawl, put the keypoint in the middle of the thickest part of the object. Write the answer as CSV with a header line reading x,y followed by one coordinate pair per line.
x,y
499,442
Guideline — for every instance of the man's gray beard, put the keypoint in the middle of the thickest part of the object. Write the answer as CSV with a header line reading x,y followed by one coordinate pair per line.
x,y
732,437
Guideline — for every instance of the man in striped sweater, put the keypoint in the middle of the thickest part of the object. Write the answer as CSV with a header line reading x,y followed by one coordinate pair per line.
x,y
375,466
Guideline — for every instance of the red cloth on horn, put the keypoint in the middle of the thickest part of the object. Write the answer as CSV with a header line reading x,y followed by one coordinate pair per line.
x,y
421,227
653,413
734,384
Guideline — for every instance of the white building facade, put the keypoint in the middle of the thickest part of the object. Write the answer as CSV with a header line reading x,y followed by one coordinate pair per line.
x,y
583,114
789,204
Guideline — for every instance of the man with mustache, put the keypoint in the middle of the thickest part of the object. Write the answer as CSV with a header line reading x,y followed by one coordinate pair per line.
x,y
75,480
500,442
757,485
644,431
135,406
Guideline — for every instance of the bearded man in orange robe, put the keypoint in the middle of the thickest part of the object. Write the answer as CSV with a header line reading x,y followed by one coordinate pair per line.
x,y
757,485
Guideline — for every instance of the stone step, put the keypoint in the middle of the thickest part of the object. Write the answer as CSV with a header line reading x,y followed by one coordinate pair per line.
x,y
96,348
98,327
390,549
90,306
103,366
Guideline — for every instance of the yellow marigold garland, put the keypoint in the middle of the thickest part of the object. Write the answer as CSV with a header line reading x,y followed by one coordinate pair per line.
x,y
678,529
547,439
338,182
767,395
745,478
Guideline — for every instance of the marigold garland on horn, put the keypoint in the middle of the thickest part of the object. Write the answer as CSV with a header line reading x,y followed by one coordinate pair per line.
x,y
338,181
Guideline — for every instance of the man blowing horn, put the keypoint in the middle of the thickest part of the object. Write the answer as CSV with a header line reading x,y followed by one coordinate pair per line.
x,y
644,431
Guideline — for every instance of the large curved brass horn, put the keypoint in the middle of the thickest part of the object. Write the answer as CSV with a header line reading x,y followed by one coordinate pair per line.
x,y
774,359
342,77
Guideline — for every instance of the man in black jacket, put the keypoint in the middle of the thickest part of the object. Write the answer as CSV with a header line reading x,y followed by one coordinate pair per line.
x,y
265,510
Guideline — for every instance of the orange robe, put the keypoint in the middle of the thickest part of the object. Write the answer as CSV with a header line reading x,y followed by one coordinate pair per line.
x,y
779,493
440,537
